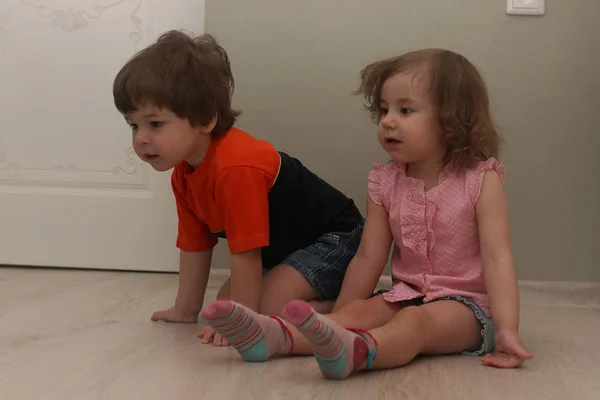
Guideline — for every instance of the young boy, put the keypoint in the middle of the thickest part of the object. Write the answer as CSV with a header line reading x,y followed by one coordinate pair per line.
x,y
274,213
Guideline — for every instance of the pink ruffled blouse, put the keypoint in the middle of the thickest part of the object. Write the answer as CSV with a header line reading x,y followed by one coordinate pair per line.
x,y
436,240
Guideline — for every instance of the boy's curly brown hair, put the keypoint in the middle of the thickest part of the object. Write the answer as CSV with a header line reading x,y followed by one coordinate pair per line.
x,y
189,76
458,93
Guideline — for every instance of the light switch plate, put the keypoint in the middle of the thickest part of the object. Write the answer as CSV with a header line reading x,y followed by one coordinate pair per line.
x,y
526,7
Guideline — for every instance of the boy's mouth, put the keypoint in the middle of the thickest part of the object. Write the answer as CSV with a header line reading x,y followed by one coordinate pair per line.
x,y
150,157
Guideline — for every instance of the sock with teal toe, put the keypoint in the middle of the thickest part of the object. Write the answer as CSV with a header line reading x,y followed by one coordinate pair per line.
x,y
339,352
256,337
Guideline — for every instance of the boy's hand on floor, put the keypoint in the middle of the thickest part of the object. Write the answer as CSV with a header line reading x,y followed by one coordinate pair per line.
x,y
511,352
208,334
174,315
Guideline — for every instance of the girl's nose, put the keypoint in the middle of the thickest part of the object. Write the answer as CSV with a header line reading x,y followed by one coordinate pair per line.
x,y
387,122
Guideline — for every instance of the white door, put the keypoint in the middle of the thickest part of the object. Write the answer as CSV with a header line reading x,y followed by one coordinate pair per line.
x,y
72,191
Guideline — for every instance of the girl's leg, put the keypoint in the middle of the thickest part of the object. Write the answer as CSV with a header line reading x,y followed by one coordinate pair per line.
x,y
442,327
257,337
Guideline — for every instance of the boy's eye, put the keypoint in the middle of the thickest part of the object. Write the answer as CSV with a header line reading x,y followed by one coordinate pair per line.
x,y
156,124
405,110
383,111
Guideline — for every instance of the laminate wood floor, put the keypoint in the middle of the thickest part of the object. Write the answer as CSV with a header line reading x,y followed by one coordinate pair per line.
x,y
67,334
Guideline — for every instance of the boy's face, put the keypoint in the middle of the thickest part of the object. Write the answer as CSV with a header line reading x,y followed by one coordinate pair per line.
x,y
163,140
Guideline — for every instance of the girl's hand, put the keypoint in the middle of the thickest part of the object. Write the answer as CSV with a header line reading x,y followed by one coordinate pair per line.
x,y
511,352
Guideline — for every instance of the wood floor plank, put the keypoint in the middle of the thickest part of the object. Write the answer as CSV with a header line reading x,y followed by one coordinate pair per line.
x,y
68,334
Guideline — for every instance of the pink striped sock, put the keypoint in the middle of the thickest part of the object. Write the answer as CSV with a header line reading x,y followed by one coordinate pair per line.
x,y
256,337
339,352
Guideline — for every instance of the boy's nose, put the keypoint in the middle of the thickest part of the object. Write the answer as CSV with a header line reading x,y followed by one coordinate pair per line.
x,y
140,138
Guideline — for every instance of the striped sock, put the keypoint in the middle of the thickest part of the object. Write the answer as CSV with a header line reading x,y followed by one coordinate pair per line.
x,y
256,337
339,352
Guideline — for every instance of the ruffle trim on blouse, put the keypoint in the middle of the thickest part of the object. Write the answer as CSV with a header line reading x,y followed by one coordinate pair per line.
x,y
418,212
374,183
475,177
419,207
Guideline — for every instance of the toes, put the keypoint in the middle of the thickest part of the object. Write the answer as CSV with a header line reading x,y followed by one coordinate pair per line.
x,y
218,309
297,311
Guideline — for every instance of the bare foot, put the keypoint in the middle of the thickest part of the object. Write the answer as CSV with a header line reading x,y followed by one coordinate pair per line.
x,y
174,315
208,334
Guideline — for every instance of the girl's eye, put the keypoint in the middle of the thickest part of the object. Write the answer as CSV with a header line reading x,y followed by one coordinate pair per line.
x,y
405,110
383,111
156,124
133,126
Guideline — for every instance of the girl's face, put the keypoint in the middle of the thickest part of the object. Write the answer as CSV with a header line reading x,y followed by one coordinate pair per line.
x,y
408,127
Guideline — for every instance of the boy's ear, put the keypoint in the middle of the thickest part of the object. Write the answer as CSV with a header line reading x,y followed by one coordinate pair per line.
x,y
208,128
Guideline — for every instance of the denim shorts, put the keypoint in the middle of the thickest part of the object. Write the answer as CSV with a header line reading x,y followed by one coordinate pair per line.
x,y
323,264
488,330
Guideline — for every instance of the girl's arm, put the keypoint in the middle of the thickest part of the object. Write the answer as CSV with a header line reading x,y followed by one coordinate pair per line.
x,y
499,271
370,259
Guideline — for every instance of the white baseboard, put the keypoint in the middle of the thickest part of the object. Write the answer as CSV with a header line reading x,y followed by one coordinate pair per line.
x,y
220,274
385,281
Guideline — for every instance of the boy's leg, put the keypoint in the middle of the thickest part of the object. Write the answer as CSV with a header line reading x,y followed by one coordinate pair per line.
x,y
258,337
322,306
314,274
443,327
281,285
224,292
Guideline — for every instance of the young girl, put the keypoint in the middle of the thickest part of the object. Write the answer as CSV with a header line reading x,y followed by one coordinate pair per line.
x,y
440,200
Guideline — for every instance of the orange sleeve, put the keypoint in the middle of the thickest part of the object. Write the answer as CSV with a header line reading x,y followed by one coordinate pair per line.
x,y
193,235
242,197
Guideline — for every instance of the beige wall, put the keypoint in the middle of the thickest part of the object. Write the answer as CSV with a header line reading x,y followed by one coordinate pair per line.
x,y
297,62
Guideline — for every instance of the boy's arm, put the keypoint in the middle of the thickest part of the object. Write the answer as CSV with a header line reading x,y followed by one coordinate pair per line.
x,y
246,278
500,275
242,196
370,260
194,269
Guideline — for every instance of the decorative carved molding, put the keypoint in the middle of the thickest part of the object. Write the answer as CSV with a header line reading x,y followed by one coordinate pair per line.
x,y
132,175
136,35
4,34
73,15
70,16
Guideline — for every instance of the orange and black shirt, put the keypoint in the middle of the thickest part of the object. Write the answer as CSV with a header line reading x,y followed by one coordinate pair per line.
x,y
256,197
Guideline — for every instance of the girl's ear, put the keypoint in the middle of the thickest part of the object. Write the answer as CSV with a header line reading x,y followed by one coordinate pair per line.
x,y
447,133
208,128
